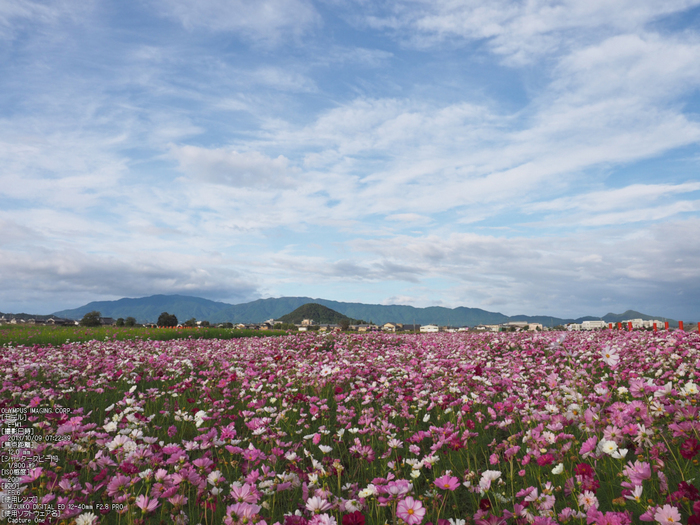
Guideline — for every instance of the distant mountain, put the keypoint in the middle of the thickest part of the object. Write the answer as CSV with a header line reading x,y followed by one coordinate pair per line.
x,y
317,312
631,314
147,309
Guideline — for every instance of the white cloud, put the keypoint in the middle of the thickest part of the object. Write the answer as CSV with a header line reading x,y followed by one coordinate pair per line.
x,y
75,274
520,31
408,217
264,21
648,265
281,79
231,168
15,13
644,66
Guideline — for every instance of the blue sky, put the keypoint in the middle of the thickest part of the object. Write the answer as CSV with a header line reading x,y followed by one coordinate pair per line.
x,y
533,157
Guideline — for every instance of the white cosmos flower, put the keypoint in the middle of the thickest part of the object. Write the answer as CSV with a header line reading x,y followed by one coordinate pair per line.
x,y
608,446
325,448
690,388
214,477
558,469
636,494
370,490
85,519
610,356
487,477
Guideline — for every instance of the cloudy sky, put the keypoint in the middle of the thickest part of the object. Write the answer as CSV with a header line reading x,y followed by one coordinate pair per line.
x,y
521,156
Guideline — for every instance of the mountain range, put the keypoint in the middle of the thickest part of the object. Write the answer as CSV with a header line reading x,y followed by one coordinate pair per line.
x,y
147,309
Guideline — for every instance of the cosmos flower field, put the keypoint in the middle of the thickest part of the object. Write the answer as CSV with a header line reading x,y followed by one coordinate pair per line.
x,y
308,429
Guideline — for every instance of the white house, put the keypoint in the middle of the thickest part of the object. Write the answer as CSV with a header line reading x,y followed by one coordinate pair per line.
x,y
429,328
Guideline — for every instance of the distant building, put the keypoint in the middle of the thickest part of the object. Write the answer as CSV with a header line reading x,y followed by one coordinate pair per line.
x,y
307,322
593,325
487,328
429,328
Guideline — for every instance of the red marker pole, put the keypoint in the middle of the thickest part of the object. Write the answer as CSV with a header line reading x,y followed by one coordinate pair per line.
x,y
654,327
610,325
666,326
619,326
629,326
680,325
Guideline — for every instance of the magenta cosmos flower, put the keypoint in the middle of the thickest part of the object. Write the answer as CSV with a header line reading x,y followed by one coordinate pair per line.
x,y
410,510
447,483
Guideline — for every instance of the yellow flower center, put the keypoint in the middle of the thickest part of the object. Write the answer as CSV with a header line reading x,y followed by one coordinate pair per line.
x,y
410,511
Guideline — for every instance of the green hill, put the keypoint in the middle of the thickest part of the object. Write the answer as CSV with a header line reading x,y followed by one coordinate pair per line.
x,y
319,313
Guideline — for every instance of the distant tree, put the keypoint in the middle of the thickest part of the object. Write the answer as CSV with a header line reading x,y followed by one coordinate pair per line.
x,y
166,319
129,321
91,319
344,324
190,323
120,321
204,323
226,325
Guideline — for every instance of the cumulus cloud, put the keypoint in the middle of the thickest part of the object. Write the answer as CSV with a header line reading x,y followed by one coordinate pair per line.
x,y
231,168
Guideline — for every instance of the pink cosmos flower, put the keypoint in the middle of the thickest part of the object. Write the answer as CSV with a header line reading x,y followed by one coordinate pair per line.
x,y
322,519
243,510
637,472
667,515
588,500
118,484
145,504
588,447
411,511
33,475
447,483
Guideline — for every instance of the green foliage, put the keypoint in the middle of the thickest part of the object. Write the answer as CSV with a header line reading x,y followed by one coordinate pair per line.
x,y
91,319
29,335
190,323
120,321
166,319
130,321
